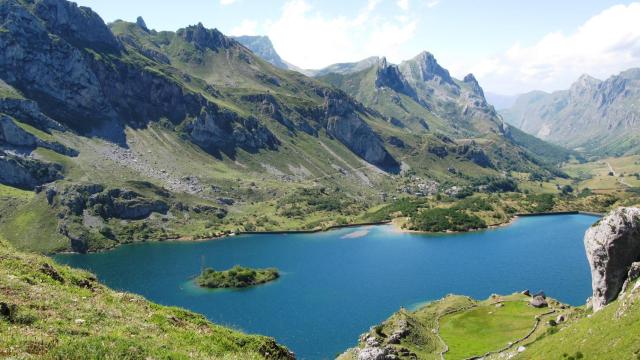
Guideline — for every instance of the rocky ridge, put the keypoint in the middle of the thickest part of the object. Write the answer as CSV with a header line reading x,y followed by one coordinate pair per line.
x,y
599,117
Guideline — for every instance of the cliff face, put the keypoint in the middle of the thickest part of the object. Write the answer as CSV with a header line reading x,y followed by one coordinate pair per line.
x,y
345,124
67,59
612,246
598,116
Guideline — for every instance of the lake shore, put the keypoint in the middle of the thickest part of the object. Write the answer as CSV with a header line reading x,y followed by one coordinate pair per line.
x,y
397,226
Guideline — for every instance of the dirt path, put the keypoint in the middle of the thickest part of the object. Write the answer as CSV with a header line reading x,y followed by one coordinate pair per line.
x,y
620,180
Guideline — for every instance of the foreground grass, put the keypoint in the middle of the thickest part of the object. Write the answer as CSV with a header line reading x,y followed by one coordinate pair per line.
x,y
56,312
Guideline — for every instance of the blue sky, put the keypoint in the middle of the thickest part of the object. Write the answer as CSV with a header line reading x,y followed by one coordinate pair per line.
x,y
512,46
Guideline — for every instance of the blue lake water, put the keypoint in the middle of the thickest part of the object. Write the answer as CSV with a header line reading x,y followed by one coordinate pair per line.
x,y
337,284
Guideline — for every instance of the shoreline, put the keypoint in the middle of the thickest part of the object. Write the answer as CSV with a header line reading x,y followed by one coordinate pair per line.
x,y
233,234
512,220
393,222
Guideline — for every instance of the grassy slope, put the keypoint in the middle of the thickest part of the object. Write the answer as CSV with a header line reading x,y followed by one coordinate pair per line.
x,y
595,174
611,333
75,317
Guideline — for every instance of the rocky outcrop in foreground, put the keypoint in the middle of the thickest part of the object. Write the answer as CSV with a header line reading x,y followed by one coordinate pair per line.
x,y
612,246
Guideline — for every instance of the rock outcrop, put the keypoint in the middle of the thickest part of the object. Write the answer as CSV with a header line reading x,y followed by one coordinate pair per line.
x,y
612,246
11,135
389,75
26,173
112,203
344,123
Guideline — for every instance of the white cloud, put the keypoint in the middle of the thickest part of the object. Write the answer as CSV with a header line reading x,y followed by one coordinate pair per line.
x,y
403,4
310,39
246,27
606,44
227,2
433,3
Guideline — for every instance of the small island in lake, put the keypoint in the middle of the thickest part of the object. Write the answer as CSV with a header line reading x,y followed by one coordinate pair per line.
x,y
236,277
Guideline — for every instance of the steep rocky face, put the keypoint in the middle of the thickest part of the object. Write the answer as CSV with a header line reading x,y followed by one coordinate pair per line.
x,y
597,116
79,26
424,68
389,75
612,246
40,63
343,122
43,49
475,86
205,38
216,129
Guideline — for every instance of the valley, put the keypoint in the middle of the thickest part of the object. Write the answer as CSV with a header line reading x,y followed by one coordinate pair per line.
x,y
376,189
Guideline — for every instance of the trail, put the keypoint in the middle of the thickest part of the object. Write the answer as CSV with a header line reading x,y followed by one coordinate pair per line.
x,y
620,180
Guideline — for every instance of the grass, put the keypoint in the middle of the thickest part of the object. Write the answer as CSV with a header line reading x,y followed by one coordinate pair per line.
x,y
62,313
486,328
28,222
616,327
36,132
9,193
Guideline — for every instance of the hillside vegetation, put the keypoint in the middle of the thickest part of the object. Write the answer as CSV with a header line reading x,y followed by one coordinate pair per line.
x,y
55,312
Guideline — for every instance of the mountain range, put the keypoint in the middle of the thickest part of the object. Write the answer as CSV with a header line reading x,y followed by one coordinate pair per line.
x,y
122,122
593,116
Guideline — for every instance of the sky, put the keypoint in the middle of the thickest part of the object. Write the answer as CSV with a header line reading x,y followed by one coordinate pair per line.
x,y
511,46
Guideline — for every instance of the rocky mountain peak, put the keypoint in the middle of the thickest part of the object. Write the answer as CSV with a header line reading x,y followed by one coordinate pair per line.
x,y
263,47
389,75
78,25
140,22
475,86
205,38
612,246
429,68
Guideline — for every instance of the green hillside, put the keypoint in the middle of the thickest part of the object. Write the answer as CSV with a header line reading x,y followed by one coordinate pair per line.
x,y
55,312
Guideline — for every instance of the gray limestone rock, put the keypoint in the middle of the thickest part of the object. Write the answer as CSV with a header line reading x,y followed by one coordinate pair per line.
x,y
612,246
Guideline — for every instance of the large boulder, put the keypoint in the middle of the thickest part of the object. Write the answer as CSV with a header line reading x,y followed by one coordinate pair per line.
x,y
612,246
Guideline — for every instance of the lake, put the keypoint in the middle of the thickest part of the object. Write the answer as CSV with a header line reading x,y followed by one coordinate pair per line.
x,y
337,284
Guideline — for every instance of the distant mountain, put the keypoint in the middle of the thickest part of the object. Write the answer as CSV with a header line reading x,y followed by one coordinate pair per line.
x,y
419,96
501,101
598,117
346,68
263,47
